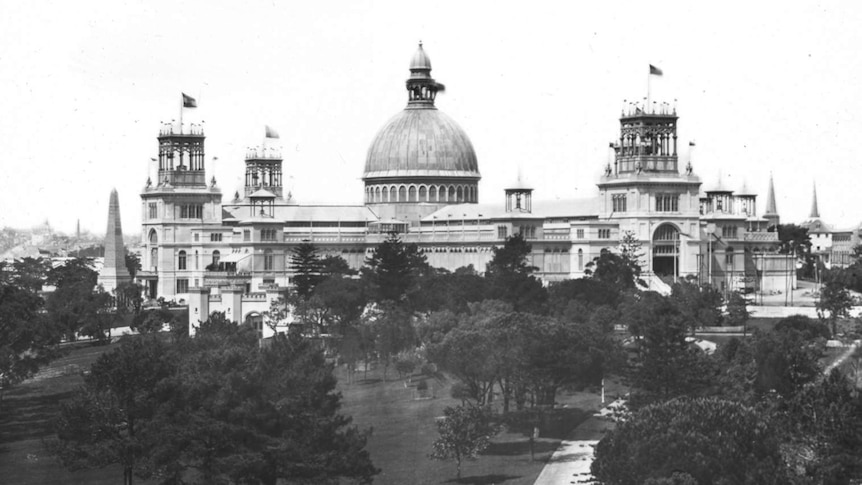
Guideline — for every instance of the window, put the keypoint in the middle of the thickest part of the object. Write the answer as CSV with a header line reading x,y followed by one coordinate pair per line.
x,y
667,202
215,237
580,233
191,211
182,285
267,260
268,235
154,210
246,235
619,202
529,232
197,237
502,232
216,257
181,261
580,259
604,233
728,232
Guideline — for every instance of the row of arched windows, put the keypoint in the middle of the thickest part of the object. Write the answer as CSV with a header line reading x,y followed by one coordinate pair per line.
x,y
421,193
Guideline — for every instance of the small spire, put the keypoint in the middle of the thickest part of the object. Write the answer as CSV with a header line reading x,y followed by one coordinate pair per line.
x,y
770,197
815,212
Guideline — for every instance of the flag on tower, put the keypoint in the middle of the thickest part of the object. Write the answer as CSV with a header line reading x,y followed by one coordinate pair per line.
x,y
188,101
654,71
691,143
271,133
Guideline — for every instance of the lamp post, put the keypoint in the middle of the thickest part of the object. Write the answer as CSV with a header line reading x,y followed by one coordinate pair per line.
x,y
710,231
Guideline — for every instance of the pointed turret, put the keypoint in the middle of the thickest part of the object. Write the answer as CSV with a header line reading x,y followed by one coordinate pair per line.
x,y
815,212
771,214
114,272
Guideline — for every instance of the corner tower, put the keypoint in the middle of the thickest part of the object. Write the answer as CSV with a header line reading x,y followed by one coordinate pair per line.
x,y
647,194
176,209
421,160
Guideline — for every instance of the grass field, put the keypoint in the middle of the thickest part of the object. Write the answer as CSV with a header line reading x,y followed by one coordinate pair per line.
x,y
27,410
404,428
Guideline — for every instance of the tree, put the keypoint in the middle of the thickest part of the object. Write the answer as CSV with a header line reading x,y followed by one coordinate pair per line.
x,y
795,240
152,321
214,409
129,298
106,420
235,413
72,305
510,277
305,264
825,423
133,264
394,268
613,269
698,305
391,329
589,292
666,364
334,265
834,303
737,311
465,431
714,441
27,338
30,273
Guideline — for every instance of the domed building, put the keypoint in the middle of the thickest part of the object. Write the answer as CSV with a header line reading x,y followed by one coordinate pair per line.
x,y
421,160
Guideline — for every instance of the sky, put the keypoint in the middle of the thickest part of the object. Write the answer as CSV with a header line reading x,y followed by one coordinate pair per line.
x,y
762,87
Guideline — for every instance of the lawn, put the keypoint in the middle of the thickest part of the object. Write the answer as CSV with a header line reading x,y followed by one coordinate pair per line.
x,y
27,411
404,429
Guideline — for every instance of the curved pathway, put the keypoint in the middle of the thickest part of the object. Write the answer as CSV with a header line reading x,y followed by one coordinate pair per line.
x,y
570,464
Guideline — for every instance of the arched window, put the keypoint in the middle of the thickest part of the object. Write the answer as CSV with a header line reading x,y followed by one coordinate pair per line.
x,y
412,192
451,194
432,194
154,259
580,259
402,194
197,263
423,194
267,259
377,194
154,237
216,257
385,194
460,194
181,260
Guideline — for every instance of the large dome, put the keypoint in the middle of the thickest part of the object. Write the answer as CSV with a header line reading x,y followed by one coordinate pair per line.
x,y
421,142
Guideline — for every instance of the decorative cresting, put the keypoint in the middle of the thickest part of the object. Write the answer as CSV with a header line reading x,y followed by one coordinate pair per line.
x,y
263,170
648,140
421,156
181,155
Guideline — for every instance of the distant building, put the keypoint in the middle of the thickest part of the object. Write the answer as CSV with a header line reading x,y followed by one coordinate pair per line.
x,y
421,180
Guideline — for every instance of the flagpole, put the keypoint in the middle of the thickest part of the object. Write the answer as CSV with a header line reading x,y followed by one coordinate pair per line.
x,y
648,89
182,104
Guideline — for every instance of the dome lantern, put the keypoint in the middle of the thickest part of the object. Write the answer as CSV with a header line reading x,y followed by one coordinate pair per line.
x,y
421,87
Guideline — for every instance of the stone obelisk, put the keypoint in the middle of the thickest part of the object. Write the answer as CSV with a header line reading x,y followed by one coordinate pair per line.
x,y
114,272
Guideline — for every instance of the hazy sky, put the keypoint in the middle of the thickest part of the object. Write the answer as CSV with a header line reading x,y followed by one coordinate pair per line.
x,y
761,86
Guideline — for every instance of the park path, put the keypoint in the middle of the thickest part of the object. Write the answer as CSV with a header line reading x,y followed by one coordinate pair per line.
x,y
847,353
570,464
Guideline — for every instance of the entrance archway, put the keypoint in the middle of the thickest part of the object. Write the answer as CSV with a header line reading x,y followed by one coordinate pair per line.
x,y
665,252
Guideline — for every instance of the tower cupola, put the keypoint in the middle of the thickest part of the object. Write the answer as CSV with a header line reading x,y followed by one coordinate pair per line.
x,y
181,155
